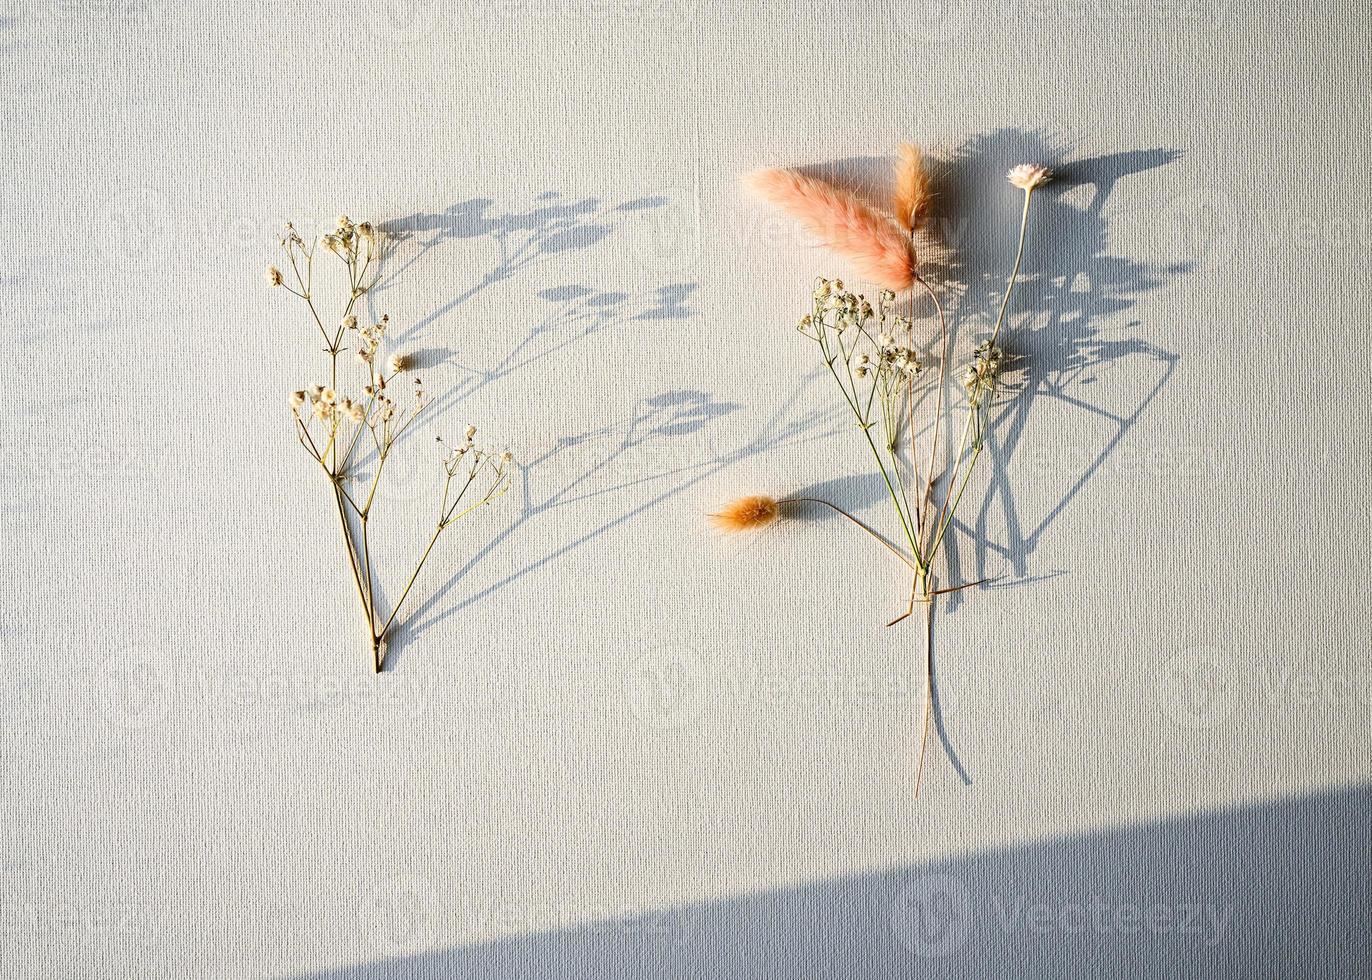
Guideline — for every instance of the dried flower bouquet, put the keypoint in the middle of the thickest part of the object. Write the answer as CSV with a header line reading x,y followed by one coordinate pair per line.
x,y
874,359
346,436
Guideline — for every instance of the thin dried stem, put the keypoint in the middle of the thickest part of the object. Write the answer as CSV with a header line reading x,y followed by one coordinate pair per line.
x,y
359,248
1014,273
938,410
928,688
839,510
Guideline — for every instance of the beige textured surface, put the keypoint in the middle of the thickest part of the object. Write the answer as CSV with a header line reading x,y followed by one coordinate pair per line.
x,y
642,750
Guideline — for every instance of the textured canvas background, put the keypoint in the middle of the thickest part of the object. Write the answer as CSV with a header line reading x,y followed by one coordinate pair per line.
x,y
612,744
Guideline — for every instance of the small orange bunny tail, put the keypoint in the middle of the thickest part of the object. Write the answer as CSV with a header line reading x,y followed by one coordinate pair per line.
x,y
747,514
913,198
870,241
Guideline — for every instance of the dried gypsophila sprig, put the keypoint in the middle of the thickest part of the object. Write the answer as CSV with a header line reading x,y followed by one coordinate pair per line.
x,y
330,425
872,357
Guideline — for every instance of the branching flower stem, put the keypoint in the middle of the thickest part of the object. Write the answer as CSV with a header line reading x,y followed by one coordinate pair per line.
x,y
835,314
359,248
921,589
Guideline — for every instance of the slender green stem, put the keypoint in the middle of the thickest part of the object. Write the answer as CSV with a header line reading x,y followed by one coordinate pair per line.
x,y
1014,274
928,683
938,406
866,427
376,480
410,584
367,561
350,548
948,520
937,515
895,499
837,509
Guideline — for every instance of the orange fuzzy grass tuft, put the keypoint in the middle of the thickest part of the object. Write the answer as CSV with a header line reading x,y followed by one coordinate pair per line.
x,y
914,198
747,514
870,241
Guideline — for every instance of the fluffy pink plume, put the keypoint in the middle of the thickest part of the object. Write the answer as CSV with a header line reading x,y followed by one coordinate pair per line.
x,y
870,241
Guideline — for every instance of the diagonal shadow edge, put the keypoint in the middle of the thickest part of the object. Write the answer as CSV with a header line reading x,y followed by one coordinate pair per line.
x,y
1275,888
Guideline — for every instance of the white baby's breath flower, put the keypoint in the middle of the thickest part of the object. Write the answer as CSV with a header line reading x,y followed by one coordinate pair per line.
x,y
398,363
328,396
297,399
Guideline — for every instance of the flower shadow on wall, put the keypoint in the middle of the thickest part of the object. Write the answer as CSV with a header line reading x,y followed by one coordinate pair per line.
x,y
1085,291
1080,334
552,226
661,448
644,460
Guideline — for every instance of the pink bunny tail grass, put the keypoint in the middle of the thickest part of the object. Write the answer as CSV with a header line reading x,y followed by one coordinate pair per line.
x,y
872,242
913,197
